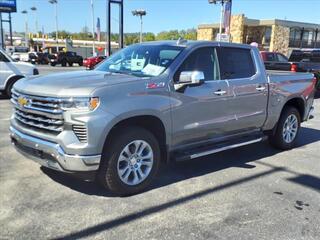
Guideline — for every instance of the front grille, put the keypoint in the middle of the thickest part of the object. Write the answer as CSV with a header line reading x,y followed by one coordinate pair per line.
x,y
81,132
39,113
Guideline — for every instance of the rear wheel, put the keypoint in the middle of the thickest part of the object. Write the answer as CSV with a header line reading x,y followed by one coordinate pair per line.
x,y
130,162
80,63
287,129
70,64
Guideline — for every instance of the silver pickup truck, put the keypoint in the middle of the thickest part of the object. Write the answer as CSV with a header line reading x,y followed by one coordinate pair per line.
x,y
157,102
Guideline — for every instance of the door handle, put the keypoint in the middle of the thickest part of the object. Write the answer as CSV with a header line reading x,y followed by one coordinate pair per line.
x,y
220,92
261,88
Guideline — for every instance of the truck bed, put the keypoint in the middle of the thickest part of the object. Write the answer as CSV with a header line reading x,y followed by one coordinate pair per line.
x,y
286,76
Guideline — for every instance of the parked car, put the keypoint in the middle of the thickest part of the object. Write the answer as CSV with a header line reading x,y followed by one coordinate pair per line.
x,y
39,58
91,62
275,61
157,102
20,53
306,61
11,71
65,58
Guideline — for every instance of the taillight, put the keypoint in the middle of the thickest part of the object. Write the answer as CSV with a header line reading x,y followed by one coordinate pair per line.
x,y
314,81
294,67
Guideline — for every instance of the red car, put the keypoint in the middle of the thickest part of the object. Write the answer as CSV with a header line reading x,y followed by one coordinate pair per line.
x,y
92,61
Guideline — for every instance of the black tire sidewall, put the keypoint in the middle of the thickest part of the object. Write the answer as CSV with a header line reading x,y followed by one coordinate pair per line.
x,y
9,88
277,140
108,173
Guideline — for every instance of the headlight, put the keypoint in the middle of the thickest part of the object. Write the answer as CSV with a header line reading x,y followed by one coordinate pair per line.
x,y
88,104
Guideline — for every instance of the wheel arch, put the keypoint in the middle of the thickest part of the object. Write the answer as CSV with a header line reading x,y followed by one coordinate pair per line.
x,y
149,122
12,79
298,103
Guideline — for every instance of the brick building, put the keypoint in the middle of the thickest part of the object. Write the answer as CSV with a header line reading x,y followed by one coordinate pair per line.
x,y
272,35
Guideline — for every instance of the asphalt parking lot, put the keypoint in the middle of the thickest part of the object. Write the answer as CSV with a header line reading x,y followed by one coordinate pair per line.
x,y
254,192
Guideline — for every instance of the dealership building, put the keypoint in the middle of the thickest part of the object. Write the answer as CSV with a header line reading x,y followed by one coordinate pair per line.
x,y
271,35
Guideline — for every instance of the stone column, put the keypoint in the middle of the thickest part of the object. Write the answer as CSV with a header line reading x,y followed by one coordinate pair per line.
x,y
205,33
280,39
237,28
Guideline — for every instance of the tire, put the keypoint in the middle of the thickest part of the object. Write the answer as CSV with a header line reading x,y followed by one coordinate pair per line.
x,y
53,64
80,63
70,64
279,139
109,174
63,63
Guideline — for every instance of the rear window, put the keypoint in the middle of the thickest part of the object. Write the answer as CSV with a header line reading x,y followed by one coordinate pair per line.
x,y
306,56
236,63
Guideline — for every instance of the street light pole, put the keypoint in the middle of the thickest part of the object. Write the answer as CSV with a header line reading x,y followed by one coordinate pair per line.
x,y
26,28
221,18
221,14
34,9
55,2
140,13
93,35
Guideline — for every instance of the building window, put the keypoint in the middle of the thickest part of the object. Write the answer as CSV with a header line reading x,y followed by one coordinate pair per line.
x,y
267,36
295,36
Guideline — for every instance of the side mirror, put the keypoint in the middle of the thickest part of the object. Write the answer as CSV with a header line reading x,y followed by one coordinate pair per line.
x,y
190,78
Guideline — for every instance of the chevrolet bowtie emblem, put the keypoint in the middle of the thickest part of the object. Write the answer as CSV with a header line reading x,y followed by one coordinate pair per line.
x,y
22,101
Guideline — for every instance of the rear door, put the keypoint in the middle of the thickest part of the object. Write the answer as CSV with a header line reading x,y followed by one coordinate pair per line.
x,y
247,83
199,112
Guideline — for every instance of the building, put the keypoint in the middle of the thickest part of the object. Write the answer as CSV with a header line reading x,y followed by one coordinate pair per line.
x,y
271,35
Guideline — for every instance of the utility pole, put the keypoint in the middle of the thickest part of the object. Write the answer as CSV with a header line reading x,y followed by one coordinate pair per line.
x,y
93,32
2,44
140,13
55,3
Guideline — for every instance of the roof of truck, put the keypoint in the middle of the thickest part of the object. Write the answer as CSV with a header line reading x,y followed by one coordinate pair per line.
x,y
193,43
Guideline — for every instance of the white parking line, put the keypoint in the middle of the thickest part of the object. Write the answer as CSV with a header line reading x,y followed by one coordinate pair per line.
x,y
4,119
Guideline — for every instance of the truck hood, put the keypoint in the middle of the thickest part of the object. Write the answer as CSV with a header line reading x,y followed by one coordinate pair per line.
x,y
78,83
25,68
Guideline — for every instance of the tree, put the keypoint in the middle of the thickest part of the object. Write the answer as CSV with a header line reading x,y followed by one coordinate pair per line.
x,y
149,37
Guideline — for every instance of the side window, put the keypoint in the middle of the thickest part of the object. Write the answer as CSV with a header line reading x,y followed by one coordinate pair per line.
x,y
3,58
315,57
282,58
270,57
236,63
204,60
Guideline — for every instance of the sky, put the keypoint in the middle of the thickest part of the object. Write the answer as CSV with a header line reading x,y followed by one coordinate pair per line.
x,y
162,15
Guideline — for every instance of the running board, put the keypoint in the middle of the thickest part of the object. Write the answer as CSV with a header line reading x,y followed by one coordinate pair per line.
x,y
207,150
201,154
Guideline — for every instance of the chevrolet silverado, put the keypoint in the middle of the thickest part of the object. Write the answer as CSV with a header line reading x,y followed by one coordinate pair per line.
x,y
157,102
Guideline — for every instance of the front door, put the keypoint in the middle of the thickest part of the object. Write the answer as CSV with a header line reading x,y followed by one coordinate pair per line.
x,y
7,69
199,112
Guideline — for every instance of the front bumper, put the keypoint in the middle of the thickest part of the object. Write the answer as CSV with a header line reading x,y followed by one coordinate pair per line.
x,y
51,155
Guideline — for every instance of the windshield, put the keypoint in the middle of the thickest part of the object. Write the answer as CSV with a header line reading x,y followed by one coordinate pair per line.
x,y
141,60
8,56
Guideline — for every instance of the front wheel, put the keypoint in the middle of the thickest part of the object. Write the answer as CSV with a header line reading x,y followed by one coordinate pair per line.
x,y
287,130
130,161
